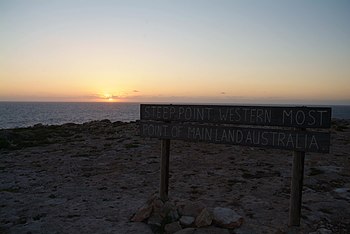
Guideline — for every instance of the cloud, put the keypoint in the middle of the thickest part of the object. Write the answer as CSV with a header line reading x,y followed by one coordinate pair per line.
x,y
99,97
93,96
136,91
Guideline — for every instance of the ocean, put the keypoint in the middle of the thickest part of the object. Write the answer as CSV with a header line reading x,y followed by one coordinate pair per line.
x,y
25,114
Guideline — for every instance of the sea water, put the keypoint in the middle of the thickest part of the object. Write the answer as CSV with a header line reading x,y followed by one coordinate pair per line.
x,y
24,114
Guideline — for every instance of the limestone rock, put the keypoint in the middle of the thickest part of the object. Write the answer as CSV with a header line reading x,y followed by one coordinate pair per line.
x,y
205,218
171,228
186,221
226,218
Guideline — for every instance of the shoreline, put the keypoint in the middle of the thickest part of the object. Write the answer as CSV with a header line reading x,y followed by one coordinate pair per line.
x,y
93,177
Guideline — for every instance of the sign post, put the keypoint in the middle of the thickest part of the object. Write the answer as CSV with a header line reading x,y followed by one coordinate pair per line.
x,y
296,189
218,124
164,169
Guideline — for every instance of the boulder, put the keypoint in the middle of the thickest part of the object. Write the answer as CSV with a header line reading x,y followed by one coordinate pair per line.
x,y
205,218
226,218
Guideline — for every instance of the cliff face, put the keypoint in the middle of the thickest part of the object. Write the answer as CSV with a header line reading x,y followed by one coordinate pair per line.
x,y
93,177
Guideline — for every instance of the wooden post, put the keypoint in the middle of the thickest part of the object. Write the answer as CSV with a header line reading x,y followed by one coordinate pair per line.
x,y
296,187
164,169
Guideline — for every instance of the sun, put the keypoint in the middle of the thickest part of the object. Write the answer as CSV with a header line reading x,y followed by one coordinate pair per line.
x,y
108,97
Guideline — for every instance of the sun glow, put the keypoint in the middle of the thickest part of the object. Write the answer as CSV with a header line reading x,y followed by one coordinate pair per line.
x,y
108,97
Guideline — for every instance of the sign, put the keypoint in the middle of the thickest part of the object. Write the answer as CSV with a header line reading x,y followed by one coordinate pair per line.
x,y
301,117
260,137
214,124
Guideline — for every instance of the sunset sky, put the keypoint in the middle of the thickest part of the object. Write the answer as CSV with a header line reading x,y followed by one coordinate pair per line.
x,y
295,52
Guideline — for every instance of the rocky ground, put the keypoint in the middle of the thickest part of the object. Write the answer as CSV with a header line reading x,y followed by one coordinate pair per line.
x,y
92,178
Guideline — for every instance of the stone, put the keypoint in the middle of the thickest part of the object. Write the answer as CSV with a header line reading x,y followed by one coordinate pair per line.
x,y
155,220
205,218
168,205
157,205
171,228
324,231
142,214
170,210
173,215
136,228
190,208
211,230
186,231
246,229
226,218
153,205
186,220
343,193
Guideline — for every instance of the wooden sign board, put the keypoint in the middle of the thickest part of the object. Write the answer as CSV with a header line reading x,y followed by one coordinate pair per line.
x,y
214,123
260,137
301,117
